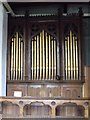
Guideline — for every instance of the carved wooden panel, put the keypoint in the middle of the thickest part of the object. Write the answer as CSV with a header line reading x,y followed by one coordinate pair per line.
x,y
44,91
18,88
39,90
72,91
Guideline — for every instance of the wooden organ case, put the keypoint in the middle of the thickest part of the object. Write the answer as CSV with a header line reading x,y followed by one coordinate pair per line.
x,y
44,58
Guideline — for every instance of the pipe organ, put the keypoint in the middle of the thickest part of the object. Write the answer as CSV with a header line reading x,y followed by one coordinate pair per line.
x,y
43,56
44,66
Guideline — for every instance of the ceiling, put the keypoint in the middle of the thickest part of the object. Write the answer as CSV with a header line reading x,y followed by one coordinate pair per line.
x,y
20,8
46,0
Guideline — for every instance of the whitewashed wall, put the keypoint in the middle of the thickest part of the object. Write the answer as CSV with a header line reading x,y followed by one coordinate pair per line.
x,y
3,49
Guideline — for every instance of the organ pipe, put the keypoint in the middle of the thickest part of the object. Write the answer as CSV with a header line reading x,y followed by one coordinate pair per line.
x,y
40,55
76,60
16,55
71,66
50,61
21,60
12,60
74,57
66,59
43,55
19,69
54,58
37,56
46,56
32,58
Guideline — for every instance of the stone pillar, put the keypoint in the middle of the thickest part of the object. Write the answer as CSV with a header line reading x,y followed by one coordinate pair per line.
x,y
3,49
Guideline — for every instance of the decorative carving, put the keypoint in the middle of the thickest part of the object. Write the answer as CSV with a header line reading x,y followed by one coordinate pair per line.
x,y
86,103
70,26
52,28
35,28
53,103
21,102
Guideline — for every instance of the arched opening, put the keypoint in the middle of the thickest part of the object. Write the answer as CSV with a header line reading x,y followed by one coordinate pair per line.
x,y
81,111
10,109
69,109
37,109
